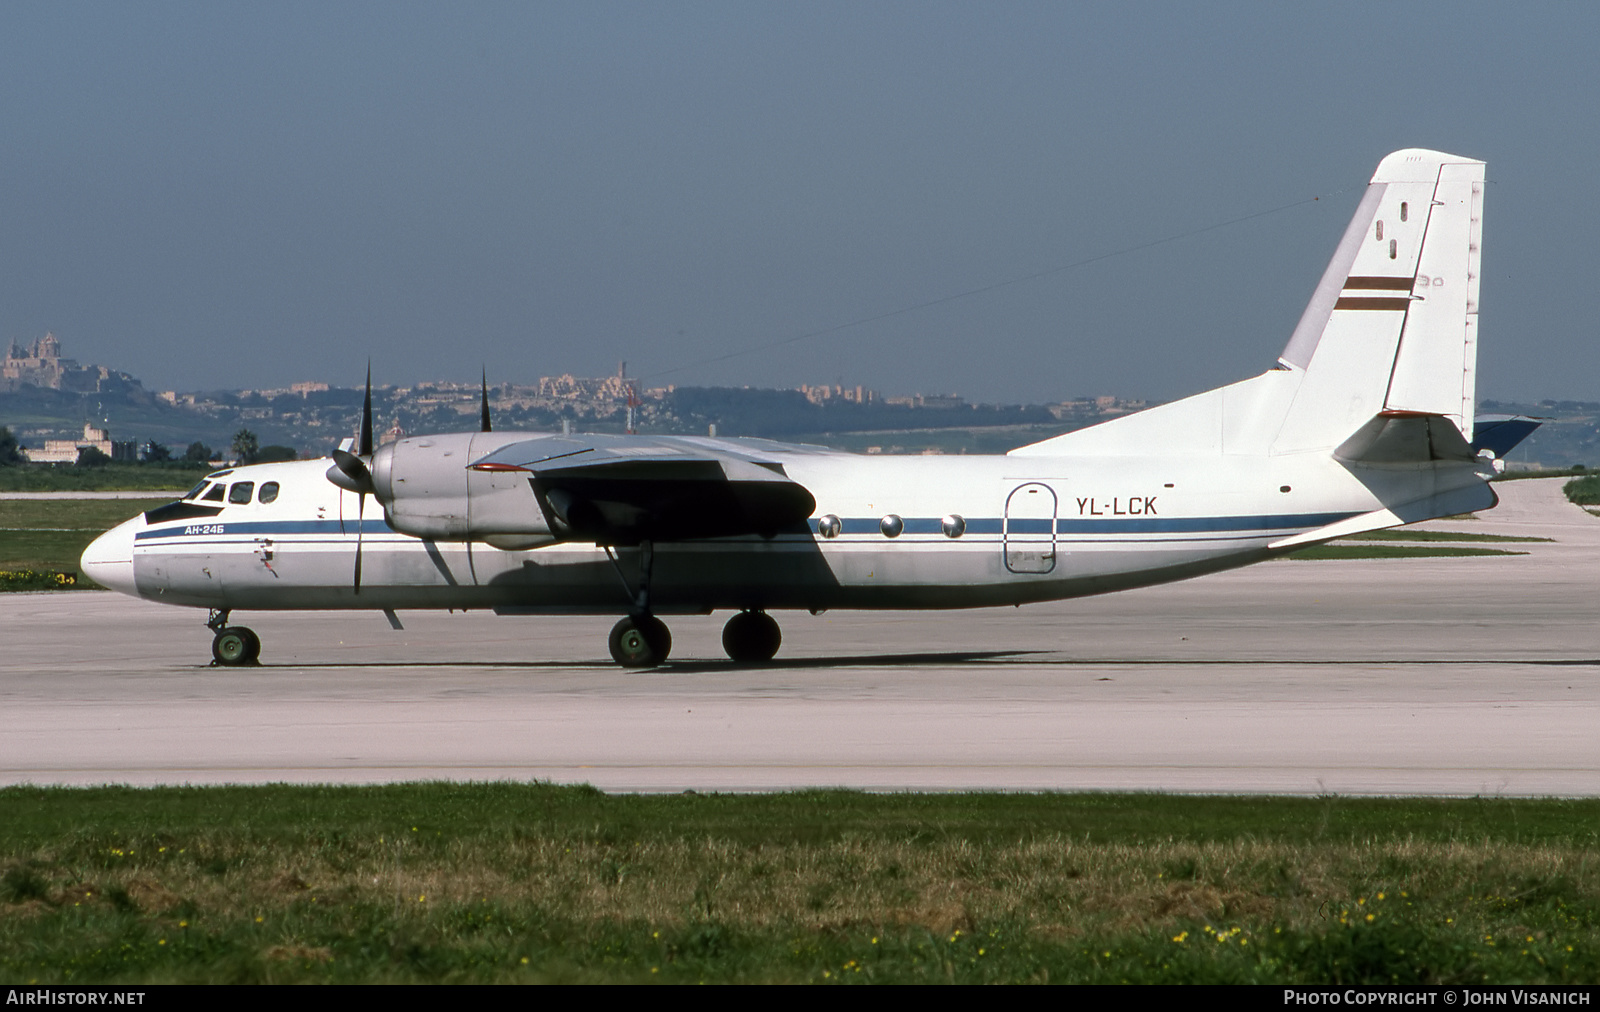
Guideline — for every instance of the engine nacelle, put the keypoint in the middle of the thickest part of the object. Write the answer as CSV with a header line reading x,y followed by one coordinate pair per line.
x,y
428,492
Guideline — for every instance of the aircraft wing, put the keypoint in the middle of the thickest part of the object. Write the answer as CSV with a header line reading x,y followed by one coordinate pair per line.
x,y
626,489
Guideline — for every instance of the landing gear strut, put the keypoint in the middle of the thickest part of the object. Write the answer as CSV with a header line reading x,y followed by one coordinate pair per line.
x,y
641,640
751,637
232,646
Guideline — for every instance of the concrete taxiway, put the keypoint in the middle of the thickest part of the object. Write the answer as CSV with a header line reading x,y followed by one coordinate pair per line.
x,y
1404,676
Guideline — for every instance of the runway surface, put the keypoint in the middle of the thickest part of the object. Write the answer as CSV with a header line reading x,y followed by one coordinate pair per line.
x,y
1405,676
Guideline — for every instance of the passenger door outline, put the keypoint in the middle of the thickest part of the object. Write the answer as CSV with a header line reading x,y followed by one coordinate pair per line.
x,y
1030,528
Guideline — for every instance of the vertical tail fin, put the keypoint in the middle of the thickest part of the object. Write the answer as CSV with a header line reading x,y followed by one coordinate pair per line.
x,y
1392,327
1388,342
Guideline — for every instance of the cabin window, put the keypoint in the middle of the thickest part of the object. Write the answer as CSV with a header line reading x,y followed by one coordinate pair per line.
x,y
953,525
1380,231
269,492
216,493
194,491
241,492
1393,249
891,526
1402,210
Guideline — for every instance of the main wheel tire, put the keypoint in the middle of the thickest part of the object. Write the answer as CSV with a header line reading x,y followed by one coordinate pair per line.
x,y
231,646
751,637
641,642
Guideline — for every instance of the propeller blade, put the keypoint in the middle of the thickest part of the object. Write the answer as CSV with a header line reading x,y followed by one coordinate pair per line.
x,y
486,427
366,418
361,511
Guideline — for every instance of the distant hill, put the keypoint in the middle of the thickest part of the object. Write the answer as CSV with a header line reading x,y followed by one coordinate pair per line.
x,y
44,396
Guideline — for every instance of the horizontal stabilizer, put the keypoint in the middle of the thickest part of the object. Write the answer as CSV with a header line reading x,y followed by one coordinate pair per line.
x,y
1478,496
1405,437
1500,434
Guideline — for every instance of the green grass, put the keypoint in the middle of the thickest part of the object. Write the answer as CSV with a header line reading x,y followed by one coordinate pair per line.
x,y
110,478
72,514
46,537
1403,534
1584,491
55,551
1521,475
1390,551
506,882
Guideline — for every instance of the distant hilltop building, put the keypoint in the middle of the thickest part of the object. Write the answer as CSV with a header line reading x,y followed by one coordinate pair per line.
x,y
570,387
41,365
838,392
65,451
941,401
1087,406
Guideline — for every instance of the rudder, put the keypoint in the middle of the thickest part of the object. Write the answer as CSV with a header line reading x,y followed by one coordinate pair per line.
x,y
1392,326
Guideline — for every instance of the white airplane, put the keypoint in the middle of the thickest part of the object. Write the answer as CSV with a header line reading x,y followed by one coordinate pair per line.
x,y
1365,423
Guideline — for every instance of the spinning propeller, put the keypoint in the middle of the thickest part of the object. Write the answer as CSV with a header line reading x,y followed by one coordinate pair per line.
x,y
352,472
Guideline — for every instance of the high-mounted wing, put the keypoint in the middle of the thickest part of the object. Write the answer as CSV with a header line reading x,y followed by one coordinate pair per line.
x,y
627,489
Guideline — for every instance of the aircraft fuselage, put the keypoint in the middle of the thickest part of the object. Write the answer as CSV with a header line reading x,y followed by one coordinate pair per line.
x,y
967,532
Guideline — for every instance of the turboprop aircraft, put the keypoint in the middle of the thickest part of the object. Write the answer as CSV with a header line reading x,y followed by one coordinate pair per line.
x,y
1366,422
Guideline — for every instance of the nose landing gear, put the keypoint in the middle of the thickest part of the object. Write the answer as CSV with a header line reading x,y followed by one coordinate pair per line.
x,y
233,645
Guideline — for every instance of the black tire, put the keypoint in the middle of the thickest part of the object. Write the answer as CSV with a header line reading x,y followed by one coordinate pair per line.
x,y
253,648
752,637
231,646
641,642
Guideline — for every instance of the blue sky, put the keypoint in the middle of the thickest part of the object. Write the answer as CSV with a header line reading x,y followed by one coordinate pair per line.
x,y
248,195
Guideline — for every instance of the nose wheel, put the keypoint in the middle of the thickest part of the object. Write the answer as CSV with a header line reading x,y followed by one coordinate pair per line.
x,y
235,646
751,637
232,646
640,641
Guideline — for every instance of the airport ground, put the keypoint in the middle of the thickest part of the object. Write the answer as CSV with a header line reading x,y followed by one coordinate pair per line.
x,y
1426,676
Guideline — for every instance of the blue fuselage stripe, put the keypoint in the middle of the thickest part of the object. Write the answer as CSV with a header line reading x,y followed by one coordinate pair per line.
x,y
260,527
1125,525
851,525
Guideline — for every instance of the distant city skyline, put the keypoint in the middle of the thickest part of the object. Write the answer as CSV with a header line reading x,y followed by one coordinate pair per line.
x,y
1011,201
41,363
90,401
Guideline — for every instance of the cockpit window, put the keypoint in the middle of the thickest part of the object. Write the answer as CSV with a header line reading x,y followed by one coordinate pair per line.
x,y
216,493
269,492
194,491
241,492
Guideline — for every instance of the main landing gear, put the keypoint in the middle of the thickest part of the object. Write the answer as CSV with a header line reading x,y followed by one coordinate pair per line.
x,y
233,645
751,637
642,641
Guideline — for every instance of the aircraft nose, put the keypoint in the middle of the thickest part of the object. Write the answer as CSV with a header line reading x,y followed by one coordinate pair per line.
x,y
108,560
